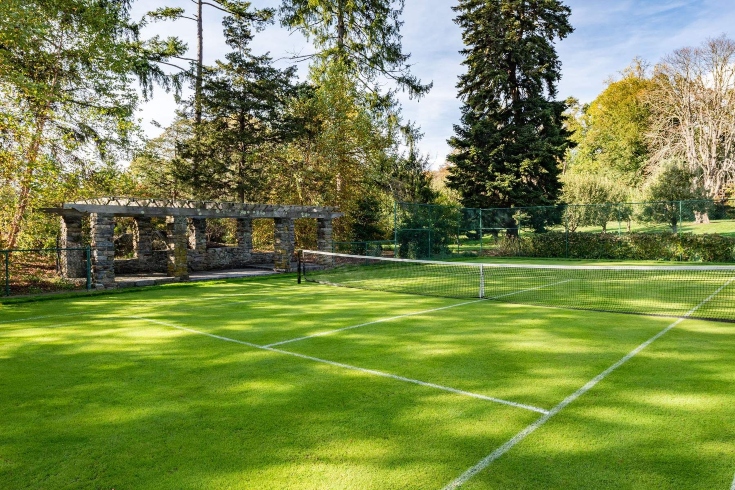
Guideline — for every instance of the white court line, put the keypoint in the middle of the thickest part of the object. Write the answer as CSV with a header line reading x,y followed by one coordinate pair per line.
x,y
732,487
382,320
487,460
350,367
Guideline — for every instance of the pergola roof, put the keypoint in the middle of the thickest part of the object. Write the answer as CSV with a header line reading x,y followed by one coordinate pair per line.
x,y
131,206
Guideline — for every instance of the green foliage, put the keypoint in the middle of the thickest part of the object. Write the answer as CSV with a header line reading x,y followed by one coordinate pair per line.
x,y
66,100
368,219
611,131
511,139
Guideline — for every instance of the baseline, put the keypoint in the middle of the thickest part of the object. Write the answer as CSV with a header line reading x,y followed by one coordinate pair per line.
x,y
490,458
732,487
348,366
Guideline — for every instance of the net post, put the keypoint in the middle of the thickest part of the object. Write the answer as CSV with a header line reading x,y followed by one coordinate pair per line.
x,y
299,265
482,282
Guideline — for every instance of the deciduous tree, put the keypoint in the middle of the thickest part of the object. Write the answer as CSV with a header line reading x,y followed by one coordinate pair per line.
x,y
693,107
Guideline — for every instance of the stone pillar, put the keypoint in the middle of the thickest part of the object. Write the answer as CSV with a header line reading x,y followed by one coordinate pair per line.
x,y
283,244
143,243
244,241
324,234
176,231
103,249
72,261
198,244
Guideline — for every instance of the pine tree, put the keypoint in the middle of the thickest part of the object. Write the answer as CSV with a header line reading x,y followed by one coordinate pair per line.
x,y
361,35
511,138
244,101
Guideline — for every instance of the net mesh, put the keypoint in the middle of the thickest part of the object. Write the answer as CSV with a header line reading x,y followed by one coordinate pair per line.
x,y
705,292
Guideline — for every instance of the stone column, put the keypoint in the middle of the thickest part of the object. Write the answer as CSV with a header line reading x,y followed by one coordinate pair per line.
x,y
324,234
198,244
72,261
244,241
103,249
143,243
283,244
176,231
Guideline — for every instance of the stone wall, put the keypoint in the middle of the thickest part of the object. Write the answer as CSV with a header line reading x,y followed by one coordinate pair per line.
x,y
215,258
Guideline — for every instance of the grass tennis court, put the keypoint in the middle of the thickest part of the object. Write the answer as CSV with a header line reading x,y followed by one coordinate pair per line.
x,y
267,384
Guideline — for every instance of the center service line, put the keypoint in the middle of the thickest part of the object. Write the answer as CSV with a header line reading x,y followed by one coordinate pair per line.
x,y
352,368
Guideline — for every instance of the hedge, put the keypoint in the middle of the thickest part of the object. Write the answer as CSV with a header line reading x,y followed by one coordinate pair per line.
x,y
633,246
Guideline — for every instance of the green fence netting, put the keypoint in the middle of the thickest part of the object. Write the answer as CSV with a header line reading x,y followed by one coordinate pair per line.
x,y
702,230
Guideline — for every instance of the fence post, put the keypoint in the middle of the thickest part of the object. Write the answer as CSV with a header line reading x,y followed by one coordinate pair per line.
x,y
431,227
7,272
481,230
395,228
566,232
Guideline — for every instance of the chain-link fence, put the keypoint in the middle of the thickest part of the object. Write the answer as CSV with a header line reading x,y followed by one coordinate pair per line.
x,y
35,271
702,230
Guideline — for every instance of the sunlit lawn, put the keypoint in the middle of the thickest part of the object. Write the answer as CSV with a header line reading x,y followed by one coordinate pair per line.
x,y
167,388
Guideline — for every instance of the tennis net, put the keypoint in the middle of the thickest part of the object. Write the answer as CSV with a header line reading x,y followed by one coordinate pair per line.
x,y
705,292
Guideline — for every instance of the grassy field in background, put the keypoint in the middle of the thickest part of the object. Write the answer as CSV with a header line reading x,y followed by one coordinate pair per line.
x,y
267,384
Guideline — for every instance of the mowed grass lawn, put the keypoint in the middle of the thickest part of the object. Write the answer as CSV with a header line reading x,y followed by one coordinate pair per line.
x,y
266,384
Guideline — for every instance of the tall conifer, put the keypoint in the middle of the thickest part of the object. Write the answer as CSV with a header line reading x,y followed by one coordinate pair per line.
x,y
507,149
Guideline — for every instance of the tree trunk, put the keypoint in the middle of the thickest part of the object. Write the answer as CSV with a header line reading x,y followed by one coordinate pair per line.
x,y
25,184
340,27
200,62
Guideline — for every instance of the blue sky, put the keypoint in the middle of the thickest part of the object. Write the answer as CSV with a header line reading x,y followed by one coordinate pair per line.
x,y
608,35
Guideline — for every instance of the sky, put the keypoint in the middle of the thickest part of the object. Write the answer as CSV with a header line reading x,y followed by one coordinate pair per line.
x,y
608,35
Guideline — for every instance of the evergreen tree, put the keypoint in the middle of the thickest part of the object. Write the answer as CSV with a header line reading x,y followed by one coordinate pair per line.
x,y
507,149
244,106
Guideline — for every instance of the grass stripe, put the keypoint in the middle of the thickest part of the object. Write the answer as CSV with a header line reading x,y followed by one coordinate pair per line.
x,y
382,320
350,367
487,460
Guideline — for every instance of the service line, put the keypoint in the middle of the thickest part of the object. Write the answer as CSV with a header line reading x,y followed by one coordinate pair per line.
x,y
382,320
490,458
348,366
